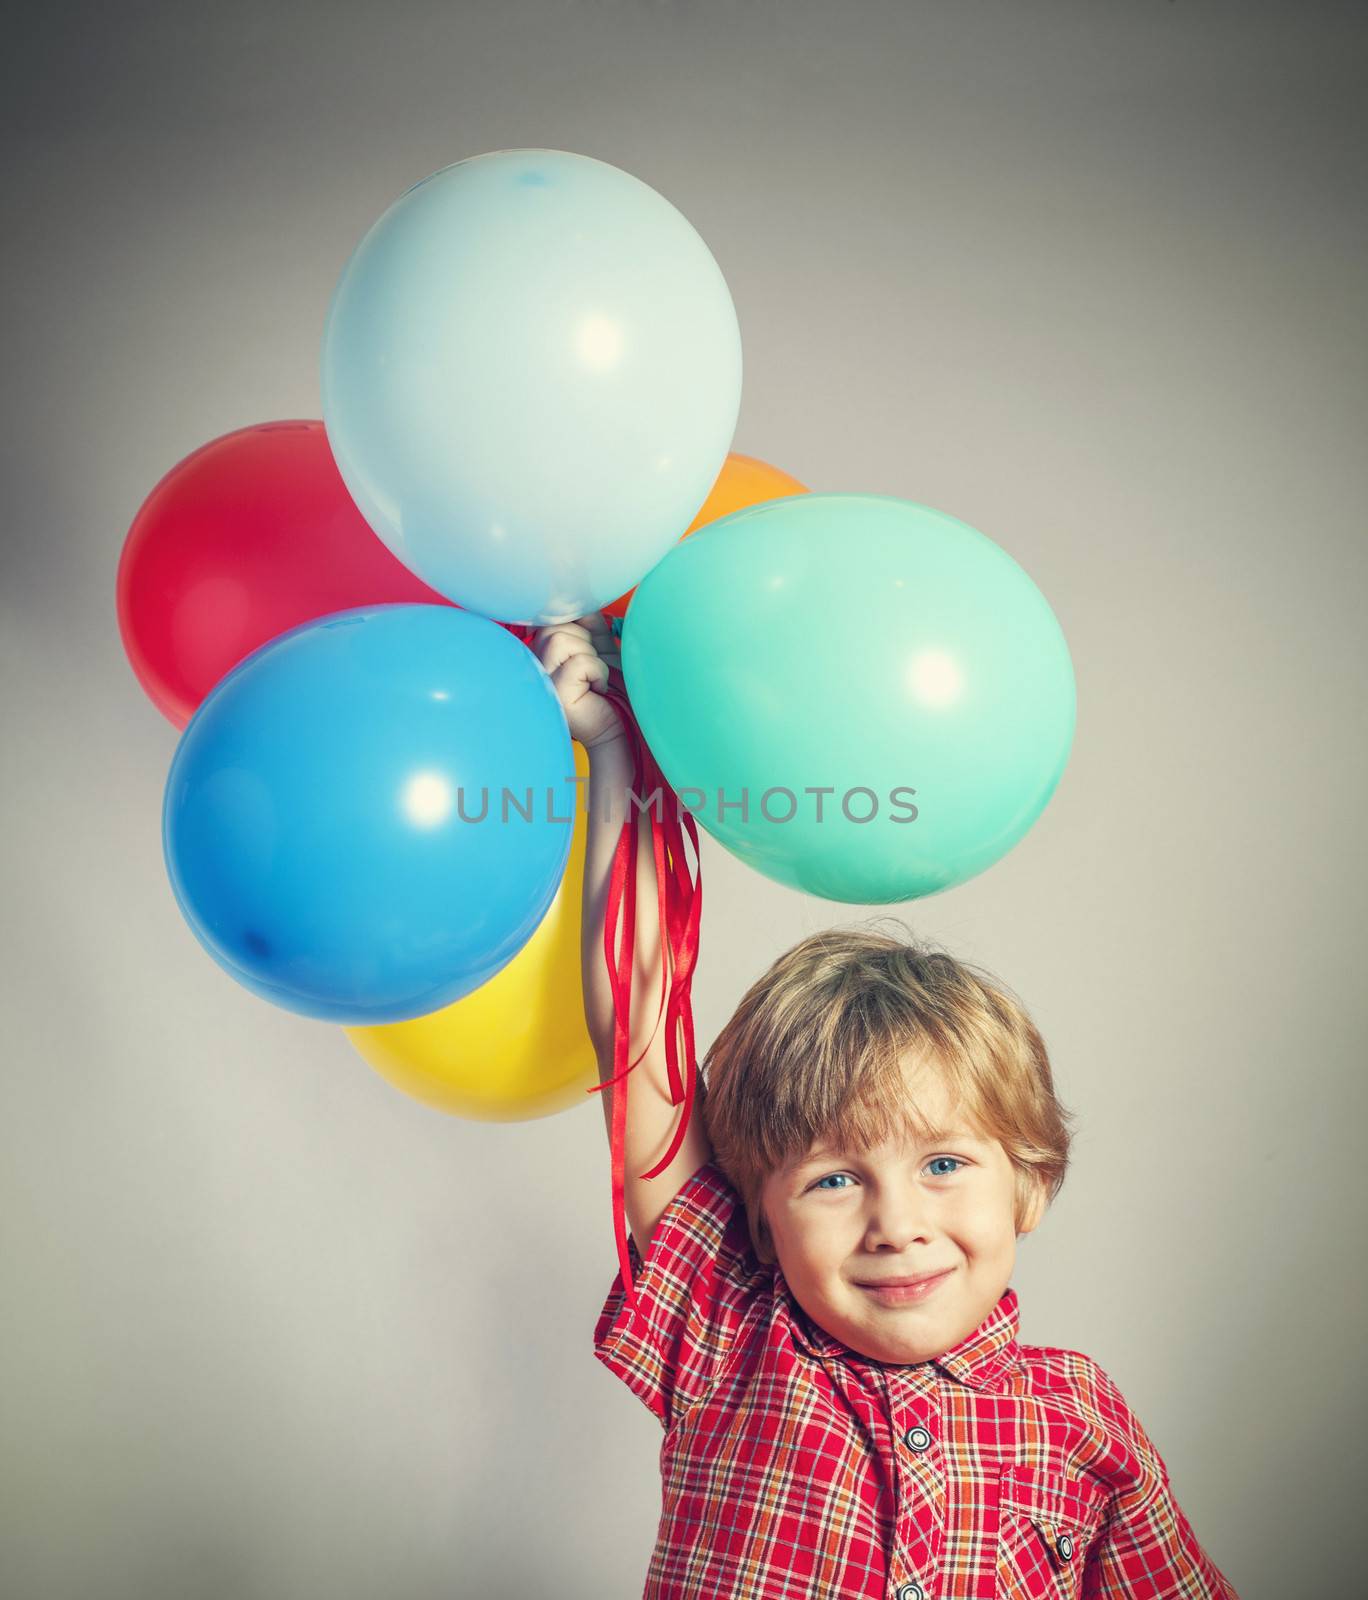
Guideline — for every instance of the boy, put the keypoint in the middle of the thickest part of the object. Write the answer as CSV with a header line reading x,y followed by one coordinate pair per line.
x,y
825,1329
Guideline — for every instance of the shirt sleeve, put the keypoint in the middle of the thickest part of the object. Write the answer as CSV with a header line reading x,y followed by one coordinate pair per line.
x,y
695,1290
1146,1549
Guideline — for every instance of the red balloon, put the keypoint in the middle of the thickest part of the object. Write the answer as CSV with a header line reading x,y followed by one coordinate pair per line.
x,y
250,535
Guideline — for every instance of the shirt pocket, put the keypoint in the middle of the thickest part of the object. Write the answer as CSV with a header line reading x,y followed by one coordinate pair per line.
x,y
1046,1521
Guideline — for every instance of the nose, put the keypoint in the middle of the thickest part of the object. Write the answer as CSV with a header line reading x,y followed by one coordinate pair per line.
x,y
899,1215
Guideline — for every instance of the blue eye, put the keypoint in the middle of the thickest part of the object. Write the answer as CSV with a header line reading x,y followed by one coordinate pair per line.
x,y
952,1164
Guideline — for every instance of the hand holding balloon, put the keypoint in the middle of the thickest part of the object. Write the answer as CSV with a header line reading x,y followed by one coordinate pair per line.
x,y
581,657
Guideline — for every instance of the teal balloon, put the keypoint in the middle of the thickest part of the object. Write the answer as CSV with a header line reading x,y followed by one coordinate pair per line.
x,y
531,375
860,697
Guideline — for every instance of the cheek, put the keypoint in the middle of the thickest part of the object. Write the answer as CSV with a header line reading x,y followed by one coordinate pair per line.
x,y
821,1236
988,1228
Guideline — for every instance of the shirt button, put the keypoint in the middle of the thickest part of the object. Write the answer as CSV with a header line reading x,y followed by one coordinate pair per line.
x,y
917,1439
911,1591
1065,1546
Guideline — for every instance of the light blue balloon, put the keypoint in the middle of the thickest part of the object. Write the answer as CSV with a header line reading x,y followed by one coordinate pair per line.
x,y
335,824
531,378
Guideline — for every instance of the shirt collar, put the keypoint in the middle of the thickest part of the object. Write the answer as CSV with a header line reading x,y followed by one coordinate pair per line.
x,y
978,1361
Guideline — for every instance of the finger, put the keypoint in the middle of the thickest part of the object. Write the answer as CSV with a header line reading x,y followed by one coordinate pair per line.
x,y
562,647
575,628
576,676
555,643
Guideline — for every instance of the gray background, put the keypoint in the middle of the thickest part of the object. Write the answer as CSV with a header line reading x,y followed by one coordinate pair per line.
x,y
1089,277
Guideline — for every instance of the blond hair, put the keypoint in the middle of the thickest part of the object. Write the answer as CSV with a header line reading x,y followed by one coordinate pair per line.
x,y
812,1054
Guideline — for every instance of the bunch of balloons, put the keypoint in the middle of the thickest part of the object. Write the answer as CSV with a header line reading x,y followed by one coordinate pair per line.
x,y
531,376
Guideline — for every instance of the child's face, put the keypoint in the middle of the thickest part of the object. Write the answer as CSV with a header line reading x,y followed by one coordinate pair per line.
x,y
839,1219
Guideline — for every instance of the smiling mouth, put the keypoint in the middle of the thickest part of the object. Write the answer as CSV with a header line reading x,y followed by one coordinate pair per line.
x,y
900,1283
905,1293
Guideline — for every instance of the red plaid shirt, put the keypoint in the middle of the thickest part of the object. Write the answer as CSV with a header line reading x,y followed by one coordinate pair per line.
x,y
793,1466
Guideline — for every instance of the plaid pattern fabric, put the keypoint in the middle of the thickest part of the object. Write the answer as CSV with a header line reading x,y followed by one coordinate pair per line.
x,y
794,1467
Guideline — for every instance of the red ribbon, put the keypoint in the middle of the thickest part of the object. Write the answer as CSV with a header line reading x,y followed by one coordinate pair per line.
x,y
680,910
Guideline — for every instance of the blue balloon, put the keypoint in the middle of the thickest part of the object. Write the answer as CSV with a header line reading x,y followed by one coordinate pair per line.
x,y
531,375
370,815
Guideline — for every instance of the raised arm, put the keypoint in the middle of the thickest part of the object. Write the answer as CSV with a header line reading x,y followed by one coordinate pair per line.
x,y
580,656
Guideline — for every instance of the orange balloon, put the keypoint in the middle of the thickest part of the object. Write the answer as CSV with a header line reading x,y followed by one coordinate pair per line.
x,y
743,481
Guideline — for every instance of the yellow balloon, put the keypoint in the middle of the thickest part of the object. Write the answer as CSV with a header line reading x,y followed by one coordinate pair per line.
x,y
517,1047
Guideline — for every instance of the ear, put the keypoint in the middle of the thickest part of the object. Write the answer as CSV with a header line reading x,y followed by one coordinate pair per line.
x,y
1035,1206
